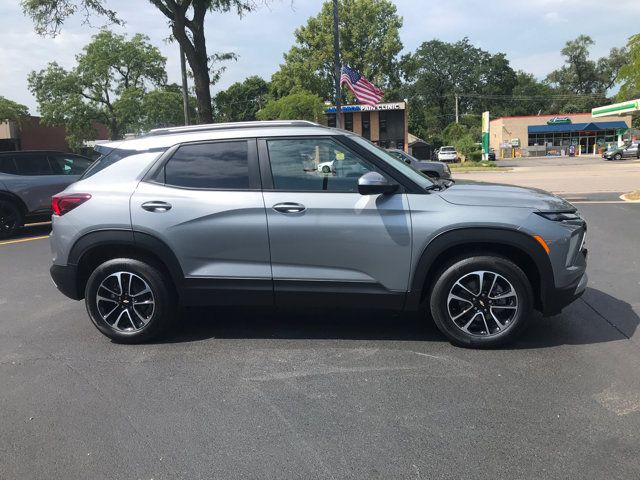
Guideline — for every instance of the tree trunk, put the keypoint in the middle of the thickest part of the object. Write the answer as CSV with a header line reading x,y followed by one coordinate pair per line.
x,y
196,54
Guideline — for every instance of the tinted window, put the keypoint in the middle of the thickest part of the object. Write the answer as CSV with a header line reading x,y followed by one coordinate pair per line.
x,y
7,165
107,160
317,164
222,165
68,164
33,164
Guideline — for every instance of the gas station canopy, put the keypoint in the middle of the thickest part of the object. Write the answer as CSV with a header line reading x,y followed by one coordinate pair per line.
x,y
623,108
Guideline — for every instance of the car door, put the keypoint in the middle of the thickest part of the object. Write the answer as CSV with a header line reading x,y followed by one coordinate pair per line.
x,y
35,182
329,243
204,203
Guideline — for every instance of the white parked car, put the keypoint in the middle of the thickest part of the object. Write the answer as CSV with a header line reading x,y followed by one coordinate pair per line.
x,y
448,154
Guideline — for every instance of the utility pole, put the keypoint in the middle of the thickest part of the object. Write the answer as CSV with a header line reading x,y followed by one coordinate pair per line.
x,y
185,91
457,108
336,62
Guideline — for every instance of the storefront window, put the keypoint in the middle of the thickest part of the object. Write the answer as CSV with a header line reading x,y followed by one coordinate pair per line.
x,y
348,121
366,125
331,120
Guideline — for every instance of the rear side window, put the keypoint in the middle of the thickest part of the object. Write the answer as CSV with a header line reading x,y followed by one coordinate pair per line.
x,y
107,160
33,164
7,165
218,165
68,164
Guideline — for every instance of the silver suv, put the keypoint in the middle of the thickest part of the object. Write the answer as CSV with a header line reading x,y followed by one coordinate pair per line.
x,y
244,214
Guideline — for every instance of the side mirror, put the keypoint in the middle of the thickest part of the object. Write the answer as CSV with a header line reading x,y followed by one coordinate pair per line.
x,y
372,183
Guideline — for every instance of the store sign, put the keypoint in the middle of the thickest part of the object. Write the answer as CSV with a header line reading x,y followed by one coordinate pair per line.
x,y
367,108
515,142
558,121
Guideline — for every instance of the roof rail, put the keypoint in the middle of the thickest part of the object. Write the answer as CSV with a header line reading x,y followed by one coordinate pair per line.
x,y
231,125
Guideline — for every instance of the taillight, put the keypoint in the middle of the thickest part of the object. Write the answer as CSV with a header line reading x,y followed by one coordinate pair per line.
x,y
65,202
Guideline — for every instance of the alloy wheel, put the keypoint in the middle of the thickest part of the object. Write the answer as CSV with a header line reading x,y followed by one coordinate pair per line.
x,y
125,302
482,303
8,218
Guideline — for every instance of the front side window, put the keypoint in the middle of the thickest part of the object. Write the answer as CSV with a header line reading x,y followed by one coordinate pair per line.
x,y
33,165
69,164
318,164
219,165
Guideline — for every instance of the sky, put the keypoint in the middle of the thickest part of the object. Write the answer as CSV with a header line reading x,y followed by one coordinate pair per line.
x,y
530,32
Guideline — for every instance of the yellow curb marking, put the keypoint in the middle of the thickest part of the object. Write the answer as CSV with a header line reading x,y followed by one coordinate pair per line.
x,y
23,240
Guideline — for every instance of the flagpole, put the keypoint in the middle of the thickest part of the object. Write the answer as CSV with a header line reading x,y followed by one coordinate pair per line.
x,y
336,61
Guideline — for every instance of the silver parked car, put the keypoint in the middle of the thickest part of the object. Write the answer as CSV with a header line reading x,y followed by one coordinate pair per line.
x,y
28,179
428,167
627,151
240,214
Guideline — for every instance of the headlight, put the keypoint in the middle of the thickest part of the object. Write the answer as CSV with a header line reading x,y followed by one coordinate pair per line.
x,y
559,216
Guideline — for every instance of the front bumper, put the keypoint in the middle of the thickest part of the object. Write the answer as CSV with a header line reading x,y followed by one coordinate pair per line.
x,y
559,298
65,278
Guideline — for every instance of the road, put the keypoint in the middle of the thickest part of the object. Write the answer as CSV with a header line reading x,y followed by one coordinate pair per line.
x,y
566,175
324,394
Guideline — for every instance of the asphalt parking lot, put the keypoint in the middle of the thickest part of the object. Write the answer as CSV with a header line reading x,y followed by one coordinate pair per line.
x,y
325,394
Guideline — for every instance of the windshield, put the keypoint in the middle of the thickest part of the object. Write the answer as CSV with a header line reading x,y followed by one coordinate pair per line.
x,y
418,177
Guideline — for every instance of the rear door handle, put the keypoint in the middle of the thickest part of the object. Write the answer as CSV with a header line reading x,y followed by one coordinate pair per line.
x,y
156,206
289,207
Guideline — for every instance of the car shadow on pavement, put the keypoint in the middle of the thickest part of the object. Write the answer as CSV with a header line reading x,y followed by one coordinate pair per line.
x,y
595,318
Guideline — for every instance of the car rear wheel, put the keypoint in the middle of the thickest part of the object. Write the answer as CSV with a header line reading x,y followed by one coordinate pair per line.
x,y
10,218
481,301
130,301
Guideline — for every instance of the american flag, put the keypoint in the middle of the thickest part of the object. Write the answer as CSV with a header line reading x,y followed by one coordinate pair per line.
x,y
364,91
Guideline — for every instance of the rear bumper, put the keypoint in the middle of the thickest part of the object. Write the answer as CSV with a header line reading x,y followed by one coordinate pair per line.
x,y
559,298
65,278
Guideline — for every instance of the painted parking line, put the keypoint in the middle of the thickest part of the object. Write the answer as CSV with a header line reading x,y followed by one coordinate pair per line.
x,y
37,224
23,240
599,201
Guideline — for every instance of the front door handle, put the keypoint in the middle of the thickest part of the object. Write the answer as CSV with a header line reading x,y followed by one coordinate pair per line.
x,y
156,206
289,207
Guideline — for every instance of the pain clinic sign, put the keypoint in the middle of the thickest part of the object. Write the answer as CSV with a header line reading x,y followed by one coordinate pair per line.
x,y
485,134
367,108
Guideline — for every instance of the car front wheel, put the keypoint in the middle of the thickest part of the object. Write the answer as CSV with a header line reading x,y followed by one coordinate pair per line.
x,y
130,301
617,156
481,301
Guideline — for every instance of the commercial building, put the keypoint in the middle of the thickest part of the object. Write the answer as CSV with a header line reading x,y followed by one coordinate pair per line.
x,y
385,124
530,135
31,134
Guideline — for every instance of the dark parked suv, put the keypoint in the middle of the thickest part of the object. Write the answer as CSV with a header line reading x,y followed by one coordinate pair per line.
x,y
243,214
28,179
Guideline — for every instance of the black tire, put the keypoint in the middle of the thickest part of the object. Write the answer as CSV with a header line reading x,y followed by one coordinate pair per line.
x,y
10,218
465,269
326,169
136,273
617,156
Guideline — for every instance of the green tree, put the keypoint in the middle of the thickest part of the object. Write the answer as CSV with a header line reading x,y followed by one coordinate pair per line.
x,y
164,108
300,105
438,70
584,81
186,19
241,101
369,43
108,83
13,111
629,74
